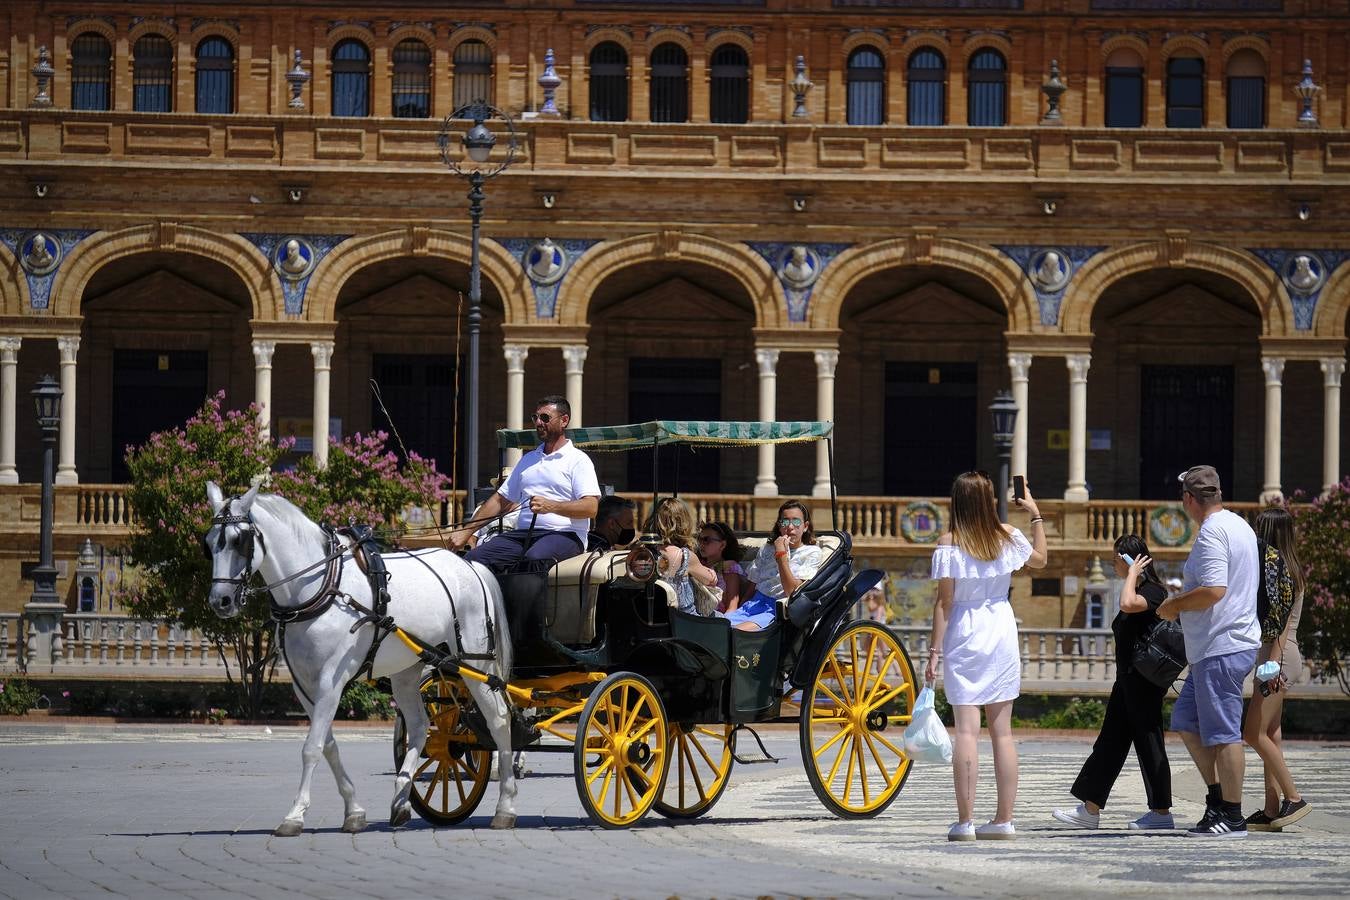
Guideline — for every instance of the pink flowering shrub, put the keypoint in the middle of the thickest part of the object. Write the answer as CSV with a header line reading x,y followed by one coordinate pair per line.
x,y
363,482
1324,548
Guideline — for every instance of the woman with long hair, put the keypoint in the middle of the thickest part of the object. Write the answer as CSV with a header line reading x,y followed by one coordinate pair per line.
x,y
780,567
973,624
1134,712
673,522
719,550
1283,580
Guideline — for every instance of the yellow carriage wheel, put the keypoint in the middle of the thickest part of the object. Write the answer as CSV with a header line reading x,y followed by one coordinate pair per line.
x,y
700,758
620,751
452,775
853,718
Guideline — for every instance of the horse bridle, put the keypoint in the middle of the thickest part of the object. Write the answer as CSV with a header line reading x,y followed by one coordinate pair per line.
x,y
247,538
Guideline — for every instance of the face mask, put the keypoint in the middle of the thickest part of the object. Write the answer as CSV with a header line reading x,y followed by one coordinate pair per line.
x,y
626,536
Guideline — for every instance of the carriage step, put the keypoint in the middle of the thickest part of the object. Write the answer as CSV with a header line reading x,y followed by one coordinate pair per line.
x,y
764,756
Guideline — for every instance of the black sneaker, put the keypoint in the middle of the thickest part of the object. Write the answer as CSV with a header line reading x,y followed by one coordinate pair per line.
x,y
1291,813
1259,821
1217,825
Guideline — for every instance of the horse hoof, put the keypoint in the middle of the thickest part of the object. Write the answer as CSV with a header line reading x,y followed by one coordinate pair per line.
x,y
289,828
354,823
400,816
504,820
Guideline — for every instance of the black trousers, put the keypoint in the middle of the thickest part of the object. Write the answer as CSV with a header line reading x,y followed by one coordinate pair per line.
x,y
1133,717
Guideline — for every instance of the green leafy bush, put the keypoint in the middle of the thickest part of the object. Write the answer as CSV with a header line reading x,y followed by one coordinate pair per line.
x,y
17,697
363,700
1078,714
1324,549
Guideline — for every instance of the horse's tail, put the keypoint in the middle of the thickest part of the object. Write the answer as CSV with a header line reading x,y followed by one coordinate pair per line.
x,y
501,627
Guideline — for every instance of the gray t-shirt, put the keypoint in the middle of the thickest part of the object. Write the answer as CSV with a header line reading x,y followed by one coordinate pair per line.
x,y
1224,555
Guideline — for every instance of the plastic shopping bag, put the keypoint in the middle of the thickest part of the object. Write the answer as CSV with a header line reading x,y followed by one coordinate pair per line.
x,y
926,738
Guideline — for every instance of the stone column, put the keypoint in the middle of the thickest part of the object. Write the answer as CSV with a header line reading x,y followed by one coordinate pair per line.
x,y
1020,365
323,370
766,483
826,360
515,393
65,468
1078,364
574,363
1332,370
262,383
1273,366
9,372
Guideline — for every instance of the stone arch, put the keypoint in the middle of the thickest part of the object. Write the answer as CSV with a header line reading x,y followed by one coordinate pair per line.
x,y
620,36
153,26
83,26
670,36
987,42
738,260
740,39
14,300
855,264
355,254
230,250
1183,42
471,33
1246,42
214,29
1130,41
1333,305
412,32
1103,270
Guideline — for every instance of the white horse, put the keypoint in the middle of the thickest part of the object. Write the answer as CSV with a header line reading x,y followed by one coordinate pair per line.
x,y
270,535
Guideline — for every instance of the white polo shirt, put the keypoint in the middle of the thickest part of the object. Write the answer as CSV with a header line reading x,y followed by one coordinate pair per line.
x,y
1224,555
566,474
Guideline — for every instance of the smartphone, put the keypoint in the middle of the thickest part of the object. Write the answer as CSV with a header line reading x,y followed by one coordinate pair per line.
x,y
1019,487
1129,560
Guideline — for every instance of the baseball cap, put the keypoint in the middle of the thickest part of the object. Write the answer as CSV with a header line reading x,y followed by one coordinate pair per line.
x,y
1200,481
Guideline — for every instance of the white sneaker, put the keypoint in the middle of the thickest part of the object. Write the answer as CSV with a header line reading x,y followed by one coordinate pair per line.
x,y
1151,821
961,831
996,831
1078,817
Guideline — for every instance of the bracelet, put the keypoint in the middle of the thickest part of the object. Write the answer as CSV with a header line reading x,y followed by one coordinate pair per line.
x,y
779,554
932,650
1036,519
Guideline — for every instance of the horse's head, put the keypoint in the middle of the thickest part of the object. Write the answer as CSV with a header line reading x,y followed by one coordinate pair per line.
x,y
235,547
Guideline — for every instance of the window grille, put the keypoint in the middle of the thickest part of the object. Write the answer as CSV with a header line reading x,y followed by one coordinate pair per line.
x,y
670,84
351,79
412,80
730,85
215,76
866,95
91,72
152,74
1185,92
987,89
609,83
473,73
927,83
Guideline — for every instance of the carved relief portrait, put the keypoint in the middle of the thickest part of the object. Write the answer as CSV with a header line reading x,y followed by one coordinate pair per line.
x,y
40,253
799,267
1050,270
545,262
1304,273
294,259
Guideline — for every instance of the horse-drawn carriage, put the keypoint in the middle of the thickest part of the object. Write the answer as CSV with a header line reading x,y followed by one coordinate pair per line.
x,y
648,699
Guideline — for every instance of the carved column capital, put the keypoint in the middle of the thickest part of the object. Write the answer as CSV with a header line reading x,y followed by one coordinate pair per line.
x,y
9,349
1020,365
574,358
262,353
322,352
1332,370
826,361
515,356
767,361
1273,366
1078,364
69,347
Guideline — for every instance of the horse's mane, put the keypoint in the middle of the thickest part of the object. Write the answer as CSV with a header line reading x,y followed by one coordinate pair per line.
x,y
300,526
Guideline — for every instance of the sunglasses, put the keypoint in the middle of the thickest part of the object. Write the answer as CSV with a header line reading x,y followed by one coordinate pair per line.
x,y
790,523
541,418
710,539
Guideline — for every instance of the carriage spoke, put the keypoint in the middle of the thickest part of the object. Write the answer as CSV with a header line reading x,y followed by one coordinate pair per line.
x,y
887,697
841,680
862,769
881,765
838,735
839,757
889,746
601,768
881,676
825,689
848,773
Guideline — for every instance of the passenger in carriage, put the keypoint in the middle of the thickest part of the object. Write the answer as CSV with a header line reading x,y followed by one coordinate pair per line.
x,y
781,566
719,550
555,488
679,566
615,526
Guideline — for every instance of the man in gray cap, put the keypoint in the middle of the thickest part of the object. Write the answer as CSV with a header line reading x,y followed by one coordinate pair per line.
x,y
1217,609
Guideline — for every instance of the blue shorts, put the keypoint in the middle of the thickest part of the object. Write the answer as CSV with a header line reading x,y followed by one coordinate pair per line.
x,y
1210,704
759,609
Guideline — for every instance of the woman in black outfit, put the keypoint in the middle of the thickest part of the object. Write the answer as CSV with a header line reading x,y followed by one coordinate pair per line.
x,y
1134,712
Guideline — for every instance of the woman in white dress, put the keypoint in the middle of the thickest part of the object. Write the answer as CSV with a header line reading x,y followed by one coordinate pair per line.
x,y
973,624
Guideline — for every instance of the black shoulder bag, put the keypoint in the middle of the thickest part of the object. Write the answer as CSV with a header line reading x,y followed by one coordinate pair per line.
x,y
1160,653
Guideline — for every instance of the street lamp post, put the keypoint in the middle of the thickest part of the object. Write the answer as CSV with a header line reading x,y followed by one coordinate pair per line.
x,y
44,609
477,144
1003,411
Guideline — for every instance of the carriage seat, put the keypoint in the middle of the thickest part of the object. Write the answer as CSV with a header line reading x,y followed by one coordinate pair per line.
x,y
574,590
833,572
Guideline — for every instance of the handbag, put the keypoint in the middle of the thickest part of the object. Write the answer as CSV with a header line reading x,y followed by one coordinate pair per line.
x,y
1160,653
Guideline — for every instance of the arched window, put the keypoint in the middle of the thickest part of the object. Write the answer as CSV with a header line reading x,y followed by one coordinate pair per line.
x,y
609,83
412,80
152,74
90,72
473,73
670,84
1246,90
351,79
927,82
730,85
866,87
215,76
1185,92
987,89
1124,89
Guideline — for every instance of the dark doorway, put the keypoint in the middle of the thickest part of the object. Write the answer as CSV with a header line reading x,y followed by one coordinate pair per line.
x,y
931,421
419,394
675,389
153,390
1186,419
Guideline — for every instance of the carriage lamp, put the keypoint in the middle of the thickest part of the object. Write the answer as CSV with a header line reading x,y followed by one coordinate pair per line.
x,y
640,566
1003,411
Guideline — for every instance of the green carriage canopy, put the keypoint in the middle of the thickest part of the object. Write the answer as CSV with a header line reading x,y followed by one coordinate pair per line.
x,y
646,434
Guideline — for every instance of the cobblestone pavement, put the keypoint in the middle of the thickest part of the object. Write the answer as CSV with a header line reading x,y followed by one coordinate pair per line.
x,y
151,811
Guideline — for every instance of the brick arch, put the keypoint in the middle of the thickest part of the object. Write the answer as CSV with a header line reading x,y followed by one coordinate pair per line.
x,y
1185,42
163,29
352,255
1103,270
918,42
354,32
214,29
609,33
744,41
670,36
857,263
738,260
877,42
1133,42
1247,42
414,33
14,300
230,250
1333,306
987,42
471,33
83,26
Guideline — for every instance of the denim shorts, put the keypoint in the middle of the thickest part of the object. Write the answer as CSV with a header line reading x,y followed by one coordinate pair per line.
x,y
1210,703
